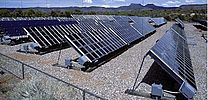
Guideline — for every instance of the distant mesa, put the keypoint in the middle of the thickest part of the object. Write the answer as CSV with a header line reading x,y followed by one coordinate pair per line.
x,y
131,7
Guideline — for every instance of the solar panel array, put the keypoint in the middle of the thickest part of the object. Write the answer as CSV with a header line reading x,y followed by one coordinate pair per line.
x,y
171,52
14,26
93,36
109,32
34,18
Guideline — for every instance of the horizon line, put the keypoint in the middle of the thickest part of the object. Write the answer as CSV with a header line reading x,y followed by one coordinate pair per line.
x,y
101,6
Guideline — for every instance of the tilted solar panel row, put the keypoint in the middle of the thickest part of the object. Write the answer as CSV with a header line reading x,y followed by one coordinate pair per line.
x,y
45,36
128,29
121,26
177,29
89,24
104,17
100,35
95,44
23,18
127,34
93,36
171,52
15,28
98,40
142,24
35,18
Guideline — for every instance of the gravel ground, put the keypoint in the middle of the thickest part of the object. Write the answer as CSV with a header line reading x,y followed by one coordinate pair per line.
x,y
198,51
114,77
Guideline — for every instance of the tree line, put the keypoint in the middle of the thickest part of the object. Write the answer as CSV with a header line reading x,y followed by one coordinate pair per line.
x,y
187,15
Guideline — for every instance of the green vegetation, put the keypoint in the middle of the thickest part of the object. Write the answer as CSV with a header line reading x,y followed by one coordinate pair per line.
x,y
43,88
30,91
187,15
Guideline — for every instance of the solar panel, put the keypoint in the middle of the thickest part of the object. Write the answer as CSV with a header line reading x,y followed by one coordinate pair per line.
x,y
36,18
128,32
172,54
37,37
48,35
122,28
159,21
14,27
177,29
91,39
142,24
105,17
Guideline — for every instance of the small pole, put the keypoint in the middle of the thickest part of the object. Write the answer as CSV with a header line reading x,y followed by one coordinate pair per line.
x,y
23,71
83,94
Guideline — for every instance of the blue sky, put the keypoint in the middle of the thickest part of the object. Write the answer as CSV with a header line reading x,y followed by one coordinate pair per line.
x,y
103,3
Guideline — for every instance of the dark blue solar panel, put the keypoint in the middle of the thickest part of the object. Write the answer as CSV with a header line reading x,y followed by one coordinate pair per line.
x,y
119,26
15,27
92,39
142,24
47,33
177,29
122,26
172,54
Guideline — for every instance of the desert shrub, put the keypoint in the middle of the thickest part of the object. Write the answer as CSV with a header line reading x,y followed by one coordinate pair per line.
x,y
30,90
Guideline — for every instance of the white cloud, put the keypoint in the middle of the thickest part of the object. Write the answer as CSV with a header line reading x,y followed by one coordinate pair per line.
x,y
173,2
106,6
177,5
189,1
87,1
165,5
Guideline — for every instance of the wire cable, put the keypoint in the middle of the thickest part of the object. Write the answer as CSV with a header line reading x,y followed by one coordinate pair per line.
x,y
171,92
